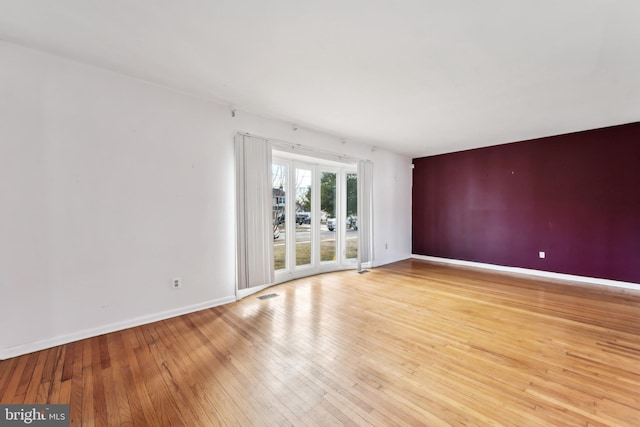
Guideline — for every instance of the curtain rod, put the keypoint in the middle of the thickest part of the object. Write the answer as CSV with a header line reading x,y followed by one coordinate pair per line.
x,y
304,149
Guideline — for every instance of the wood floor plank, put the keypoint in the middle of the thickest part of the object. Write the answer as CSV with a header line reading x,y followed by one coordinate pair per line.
x,y
99,389
7,371
76,381
408,344
51,363
33,386
120,414
27,373
67,370
89,398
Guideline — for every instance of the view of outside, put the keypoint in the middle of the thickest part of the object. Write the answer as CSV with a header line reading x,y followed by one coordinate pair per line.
x,y
328,207
279,175
352,215
303,218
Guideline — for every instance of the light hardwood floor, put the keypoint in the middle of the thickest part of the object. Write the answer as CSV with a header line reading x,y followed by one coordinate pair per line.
x,y
412,343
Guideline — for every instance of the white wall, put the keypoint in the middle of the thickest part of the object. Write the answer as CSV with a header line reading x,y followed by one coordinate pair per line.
x,y
111,186
392,181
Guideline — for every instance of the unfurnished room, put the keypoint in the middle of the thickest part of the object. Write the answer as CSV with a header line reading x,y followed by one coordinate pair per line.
x,y
358,213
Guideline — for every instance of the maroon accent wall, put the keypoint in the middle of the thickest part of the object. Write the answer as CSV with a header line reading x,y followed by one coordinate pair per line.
x,y
575,197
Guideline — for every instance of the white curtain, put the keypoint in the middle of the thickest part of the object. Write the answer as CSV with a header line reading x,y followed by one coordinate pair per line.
x,y
254,205
365,212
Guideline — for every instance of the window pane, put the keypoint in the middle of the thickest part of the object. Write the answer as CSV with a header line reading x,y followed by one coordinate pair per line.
x,y
352,216
303,217
328,208
278,177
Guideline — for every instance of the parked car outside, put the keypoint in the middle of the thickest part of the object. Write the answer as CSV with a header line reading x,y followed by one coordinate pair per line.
x,y
303,218
352,222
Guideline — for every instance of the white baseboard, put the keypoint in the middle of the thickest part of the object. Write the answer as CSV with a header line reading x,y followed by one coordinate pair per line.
x,y
300,274
288,276
31,347
531,272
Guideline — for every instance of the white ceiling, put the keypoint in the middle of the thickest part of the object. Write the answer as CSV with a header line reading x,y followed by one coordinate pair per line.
x,y
417,77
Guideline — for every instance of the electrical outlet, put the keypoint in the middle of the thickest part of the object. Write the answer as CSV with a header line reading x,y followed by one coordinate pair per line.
x,y
541,254
176,283
386,246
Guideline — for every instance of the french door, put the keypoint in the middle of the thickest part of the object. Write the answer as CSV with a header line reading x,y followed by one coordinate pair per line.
x,y
314,216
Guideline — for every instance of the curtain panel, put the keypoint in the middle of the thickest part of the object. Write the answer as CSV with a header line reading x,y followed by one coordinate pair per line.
x,y
365,212
253,207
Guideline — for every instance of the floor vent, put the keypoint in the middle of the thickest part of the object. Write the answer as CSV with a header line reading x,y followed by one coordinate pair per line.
x,y
267,296
363,271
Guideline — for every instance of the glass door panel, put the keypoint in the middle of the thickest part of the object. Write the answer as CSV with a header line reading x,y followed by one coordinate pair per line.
x,y
315,216
304,224
328,223
278,216
352,216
